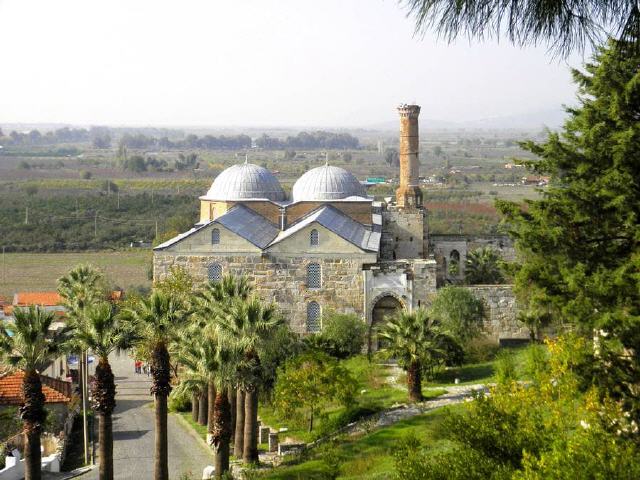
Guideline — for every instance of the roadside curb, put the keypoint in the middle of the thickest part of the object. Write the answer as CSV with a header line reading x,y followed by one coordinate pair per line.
x,y
78,471
192,432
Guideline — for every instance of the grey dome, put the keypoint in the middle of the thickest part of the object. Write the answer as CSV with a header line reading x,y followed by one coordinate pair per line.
x,y
245,181
327,183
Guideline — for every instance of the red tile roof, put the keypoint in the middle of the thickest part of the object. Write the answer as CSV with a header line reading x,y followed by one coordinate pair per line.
x,y
48,299
11,389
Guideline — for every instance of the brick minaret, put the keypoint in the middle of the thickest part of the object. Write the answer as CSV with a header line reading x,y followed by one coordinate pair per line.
x,y
409,194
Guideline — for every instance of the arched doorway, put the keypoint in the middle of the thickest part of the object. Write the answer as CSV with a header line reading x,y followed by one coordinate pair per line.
x,y
384,308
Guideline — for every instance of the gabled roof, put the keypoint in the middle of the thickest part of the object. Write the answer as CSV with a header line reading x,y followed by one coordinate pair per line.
x,y
47,299
181,237
240,220
11,389
340,224
249,225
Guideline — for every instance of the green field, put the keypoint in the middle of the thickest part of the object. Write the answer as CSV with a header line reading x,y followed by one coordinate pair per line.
x,y
39,271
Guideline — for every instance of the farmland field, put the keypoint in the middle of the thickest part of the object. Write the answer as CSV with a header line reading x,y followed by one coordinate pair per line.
x,y
39,271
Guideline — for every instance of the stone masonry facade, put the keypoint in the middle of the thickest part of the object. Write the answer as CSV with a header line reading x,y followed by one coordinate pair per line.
x,y
283,280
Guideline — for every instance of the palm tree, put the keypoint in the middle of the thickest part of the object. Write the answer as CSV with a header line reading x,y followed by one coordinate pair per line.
x,y
246,328
208,364
157,320
415,341
211,304
80,288
565,25
102,332
29,345
483,266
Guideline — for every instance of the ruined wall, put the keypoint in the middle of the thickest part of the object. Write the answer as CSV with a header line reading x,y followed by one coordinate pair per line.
x,y
404,234
412,283
501,311
442,247
283,280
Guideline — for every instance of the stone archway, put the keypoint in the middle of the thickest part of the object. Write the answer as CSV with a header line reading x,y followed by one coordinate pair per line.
x,y
385,306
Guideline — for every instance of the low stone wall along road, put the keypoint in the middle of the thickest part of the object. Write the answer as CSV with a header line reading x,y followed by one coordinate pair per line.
x,y
133,432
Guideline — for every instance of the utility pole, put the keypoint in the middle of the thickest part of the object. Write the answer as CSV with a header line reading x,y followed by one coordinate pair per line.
x,y
26,216
118,194
95,225
156,228
85,393
4,271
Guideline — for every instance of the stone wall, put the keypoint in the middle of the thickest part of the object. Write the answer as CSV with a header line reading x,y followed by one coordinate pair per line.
x,y
404,234
501,311
442,247
283,280
411,282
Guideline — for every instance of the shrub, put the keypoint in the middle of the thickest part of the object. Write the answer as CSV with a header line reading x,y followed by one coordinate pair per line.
x,y
481,349
343,335
412,462
536,361
179,401
505,367
547,429
459,312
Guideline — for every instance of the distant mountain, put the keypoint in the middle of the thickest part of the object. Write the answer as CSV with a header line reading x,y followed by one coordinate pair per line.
x,y
552,119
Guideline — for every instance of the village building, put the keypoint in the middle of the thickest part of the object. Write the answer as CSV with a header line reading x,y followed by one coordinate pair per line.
x,y
329,247
57,393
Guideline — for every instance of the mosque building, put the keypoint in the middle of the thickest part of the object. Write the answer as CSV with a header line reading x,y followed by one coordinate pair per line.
x,y
329,247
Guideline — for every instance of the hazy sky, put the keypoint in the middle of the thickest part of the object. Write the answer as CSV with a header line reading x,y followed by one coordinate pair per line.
x,y
254,63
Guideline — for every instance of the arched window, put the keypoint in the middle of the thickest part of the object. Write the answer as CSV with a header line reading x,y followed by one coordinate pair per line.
x,y
454,256
314,321
314,238
214,272
215,236
314,275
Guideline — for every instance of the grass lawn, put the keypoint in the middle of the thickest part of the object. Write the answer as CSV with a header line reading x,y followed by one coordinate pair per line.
x,y
201,430
375,393
40,271
482,372
468,374
366,456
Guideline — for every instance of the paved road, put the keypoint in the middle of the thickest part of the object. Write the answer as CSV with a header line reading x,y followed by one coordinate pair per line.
x,y
133,432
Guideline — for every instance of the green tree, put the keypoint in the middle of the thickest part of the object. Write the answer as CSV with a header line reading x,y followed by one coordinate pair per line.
x,y
580,243
212,304
209,366
247,328
29,345
549,428
343,335
417,342
100,331
483,266
311,382
459,312
564,25
391,157
157,321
